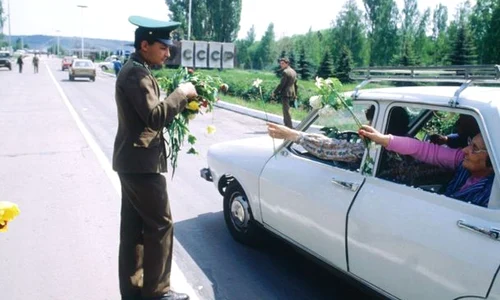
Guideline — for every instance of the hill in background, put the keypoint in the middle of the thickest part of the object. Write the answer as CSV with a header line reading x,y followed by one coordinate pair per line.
x,y
43,42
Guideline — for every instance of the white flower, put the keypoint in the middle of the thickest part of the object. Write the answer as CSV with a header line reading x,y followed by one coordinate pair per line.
x,y
315,102
319,82
326,112
257,82
328,81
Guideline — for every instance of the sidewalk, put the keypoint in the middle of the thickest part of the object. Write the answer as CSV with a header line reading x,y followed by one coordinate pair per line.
x,y
64,244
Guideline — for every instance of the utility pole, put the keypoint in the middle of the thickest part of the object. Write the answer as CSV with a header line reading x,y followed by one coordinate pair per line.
x,y
57,53
82,7
10,35
189,20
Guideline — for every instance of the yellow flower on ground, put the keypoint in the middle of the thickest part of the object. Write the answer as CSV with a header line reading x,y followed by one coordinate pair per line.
x,y
211,129
193,105
8,211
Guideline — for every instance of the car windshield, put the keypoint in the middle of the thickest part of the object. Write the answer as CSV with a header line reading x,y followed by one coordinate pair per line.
x,y
4,55
83,64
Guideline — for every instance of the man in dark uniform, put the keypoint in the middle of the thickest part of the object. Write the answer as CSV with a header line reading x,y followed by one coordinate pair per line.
x,y
139,157
287,89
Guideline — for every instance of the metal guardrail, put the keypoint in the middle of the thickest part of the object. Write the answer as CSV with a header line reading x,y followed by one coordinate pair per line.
x,y
467,75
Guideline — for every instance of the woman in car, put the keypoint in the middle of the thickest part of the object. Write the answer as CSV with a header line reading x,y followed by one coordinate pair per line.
x,y
474,175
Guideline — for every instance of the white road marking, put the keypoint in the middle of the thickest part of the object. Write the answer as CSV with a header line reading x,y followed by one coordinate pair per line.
x,y
177,278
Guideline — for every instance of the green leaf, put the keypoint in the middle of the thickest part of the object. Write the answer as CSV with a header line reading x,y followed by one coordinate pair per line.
x,y
191,139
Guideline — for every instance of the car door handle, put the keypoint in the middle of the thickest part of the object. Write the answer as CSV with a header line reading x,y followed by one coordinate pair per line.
x,y
352,186
492,233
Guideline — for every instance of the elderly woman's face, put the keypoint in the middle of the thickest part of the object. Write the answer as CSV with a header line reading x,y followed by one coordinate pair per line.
x,y
476,155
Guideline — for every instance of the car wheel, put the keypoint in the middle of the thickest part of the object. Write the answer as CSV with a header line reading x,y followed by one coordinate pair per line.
x,y
104,68
238,216
92,78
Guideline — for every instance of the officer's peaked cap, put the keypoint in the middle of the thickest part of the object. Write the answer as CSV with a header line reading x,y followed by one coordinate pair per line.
x,y
150,29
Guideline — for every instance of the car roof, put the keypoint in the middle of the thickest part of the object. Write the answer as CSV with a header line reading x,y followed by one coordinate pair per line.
x,y
82,59
473,96
483,99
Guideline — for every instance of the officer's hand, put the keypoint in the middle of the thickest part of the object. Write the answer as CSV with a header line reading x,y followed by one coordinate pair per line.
x,y
188,89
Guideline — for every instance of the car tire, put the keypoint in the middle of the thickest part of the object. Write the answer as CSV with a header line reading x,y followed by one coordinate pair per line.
x,y
104,68
238,216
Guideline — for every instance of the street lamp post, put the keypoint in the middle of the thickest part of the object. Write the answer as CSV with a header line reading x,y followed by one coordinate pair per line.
x,y
189,20
57,53
82,7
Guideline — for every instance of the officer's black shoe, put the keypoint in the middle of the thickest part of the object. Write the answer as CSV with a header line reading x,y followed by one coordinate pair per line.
x,y
171,295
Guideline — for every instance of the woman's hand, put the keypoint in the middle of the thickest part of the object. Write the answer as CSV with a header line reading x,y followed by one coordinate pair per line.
x,y
371,133
282,132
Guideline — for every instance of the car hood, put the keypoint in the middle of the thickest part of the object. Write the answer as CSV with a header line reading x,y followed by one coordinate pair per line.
x,y
241,156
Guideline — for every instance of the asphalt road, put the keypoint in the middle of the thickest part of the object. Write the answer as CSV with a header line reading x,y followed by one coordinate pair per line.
x,y
214,265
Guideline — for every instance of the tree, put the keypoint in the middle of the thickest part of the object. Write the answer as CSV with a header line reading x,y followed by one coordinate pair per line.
x,y
264,55
215,20
423,44
243,56
463,51
18,45
383,33
291,57
480,21
326,68
439,31
493,36
2,20
344,66
349,31
304,66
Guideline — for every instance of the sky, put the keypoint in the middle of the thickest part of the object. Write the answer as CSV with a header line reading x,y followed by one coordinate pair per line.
x,y
108,19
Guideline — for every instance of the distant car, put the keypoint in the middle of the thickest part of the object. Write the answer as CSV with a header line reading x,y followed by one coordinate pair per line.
x,y
5,58
107,64
66,62
82,68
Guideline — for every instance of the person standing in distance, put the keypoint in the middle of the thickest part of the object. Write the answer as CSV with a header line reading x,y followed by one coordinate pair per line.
x,y
20,62
139,157
287,89
35,63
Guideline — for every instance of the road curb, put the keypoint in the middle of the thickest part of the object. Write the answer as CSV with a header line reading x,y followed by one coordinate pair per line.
x,y
253,112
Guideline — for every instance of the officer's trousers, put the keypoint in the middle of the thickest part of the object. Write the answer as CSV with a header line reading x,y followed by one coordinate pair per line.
x,y
287,118
146,236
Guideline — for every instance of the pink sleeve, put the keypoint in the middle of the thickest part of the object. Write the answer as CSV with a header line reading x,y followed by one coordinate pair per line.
x,y
426,152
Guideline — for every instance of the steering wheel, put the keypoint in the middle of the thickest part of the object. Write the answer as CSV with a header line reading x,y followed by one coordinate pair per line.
x,y
348,135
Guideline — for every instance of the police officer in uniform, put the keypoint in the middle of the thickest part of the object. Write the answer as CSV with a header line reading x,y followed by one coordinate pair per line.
x,y
287,90
139,157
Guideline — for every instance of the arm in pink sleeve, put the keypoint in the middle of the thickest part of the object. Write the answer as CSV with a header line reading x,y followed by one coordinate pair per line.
x,y
426,152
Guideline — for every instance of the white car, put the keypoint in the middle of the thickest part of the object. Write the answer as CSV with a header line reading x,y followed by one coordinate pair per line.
x,y
107,64
403,240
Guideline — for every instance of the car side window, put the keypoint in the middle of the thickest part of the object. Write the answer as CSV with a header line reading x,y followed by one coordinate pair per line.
x,y
340,127
446,167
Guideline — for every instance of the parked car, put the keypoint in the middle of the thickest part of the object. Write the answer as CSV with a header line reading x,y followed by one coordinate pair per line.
x,y
5,60
107,64
403,240
66,62
82,68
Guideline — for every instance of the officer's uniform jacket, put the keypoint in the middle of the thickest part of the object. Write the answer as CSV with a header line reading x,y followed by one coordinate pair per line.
x,y
288,84
139,145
